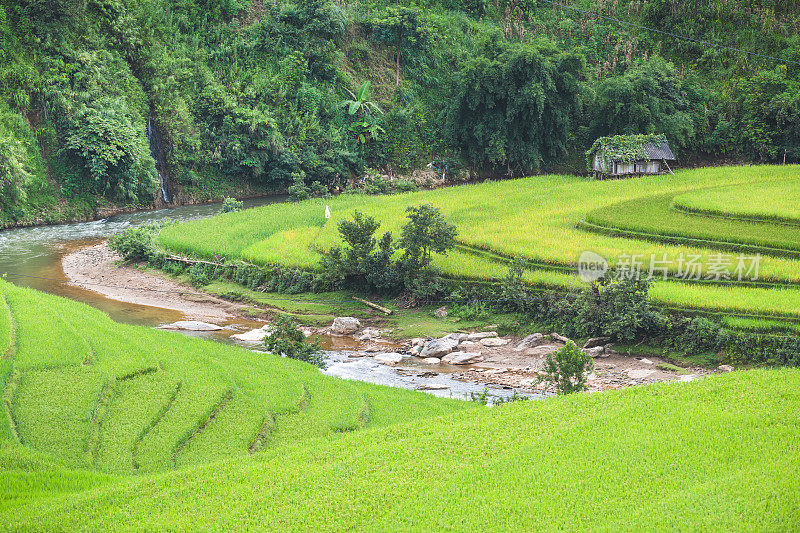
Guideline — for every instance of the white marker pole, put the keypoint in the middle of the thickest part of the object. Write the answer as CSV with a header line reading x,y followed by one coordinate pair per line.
x,y
327,212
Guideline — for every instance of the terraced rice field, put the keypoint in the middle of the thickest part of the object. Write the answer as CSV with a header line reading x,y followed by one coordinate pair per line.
x,y
84,392
544,219
778,201
109,427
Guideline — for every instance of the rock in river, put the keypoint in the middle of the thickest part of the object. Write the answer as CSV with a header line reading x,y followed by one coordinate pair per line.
x,y
345,325
529,342
439,347
390,358
462,358
594,342
494,341
596,352
192,325
254,335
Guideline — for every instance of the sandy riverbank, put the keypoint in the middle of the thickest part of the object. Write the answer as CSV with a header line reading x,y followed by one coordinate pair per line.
x,y
97,268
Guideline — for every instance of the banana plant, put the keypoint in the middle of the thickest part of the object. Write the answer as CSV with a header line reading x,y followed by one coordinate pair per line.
x,y
360,104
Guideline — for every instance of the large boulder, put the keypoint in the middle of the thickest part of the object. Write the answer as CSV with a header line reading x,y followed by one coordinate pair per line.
x,y
594,342
462,358
481,335
560,338
439,347
470,346
542,350
390,358
254,335
596,352
492,342
529,342
192,325
345,325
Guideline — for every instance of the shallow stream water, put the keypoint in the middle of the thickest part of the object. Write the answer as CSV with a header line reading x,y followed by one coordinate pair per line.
x,y
31,257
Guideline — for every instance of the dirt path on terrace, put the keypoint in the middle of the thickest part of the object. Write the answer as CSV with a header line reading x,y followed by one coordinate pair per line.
x,y
97,269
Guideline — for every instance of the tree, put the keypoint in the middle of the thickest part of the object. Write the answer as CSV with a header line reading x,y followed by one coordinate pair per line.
x,y
649,98
103,135
361,108
567,369
762,117
402,28
513,109
425,232
359,263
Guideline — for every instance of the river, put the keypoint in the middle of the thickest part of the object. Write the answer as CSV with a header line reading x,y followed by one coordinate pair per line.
x,y
31,257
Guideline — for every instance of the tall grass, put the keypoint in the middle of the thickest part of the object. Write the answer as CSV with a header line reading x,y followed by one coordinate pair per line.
x,y
778,201
717,454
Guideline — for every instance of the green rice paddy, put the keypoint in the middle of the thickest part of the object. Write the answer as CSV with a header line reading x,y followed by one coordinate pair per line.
x,y
540,218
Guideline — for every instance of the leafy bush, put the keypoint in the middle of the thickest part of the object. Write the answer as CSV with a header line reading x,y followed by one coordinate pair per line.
x,y
567,369
700,336
741,348
617,309
286,339
230,205
136,243
474,310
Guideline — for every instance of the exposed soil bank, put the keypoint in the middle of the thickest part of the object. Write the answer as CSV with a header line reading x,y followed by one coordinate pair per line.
x,y
97,268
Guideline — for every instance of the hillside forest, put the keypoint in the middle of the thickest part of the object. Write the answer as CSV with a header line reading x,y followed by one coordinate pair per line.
x,y
110,103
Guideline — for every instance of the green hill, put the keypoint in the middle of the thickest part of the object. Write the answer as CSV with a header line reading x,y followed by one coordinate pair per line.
x,y
100,98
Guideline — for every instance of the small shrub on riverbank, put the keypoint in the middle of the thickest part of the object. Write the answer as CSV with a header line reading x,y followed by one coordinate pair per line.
x,y
136,244
700,336
365,263
229,205
567,369
286,339
617,309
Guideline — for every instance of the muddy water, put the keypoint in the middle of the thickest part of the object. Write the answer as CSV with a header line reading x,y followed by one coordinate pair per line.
x,y
31,257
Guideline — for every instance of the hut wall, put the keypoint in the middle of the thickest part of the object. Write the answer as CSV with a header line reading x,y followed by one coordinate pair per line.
x,y
625,168
648,167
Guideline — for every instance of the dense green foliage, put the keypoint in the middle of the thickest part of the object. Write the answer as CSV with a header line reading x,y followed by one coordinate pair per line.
x,y
619,310
363,266
263,95
285,338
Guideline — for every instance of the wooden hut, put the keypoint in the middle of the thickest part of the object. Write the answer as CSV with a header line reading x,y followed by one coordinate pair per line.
x,y
626,155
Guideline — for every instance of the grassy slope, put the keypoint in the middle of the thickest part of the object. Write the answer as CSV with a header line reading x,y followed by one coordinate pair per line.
x,y
85,392
717,454
777,201
654,215
535,217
